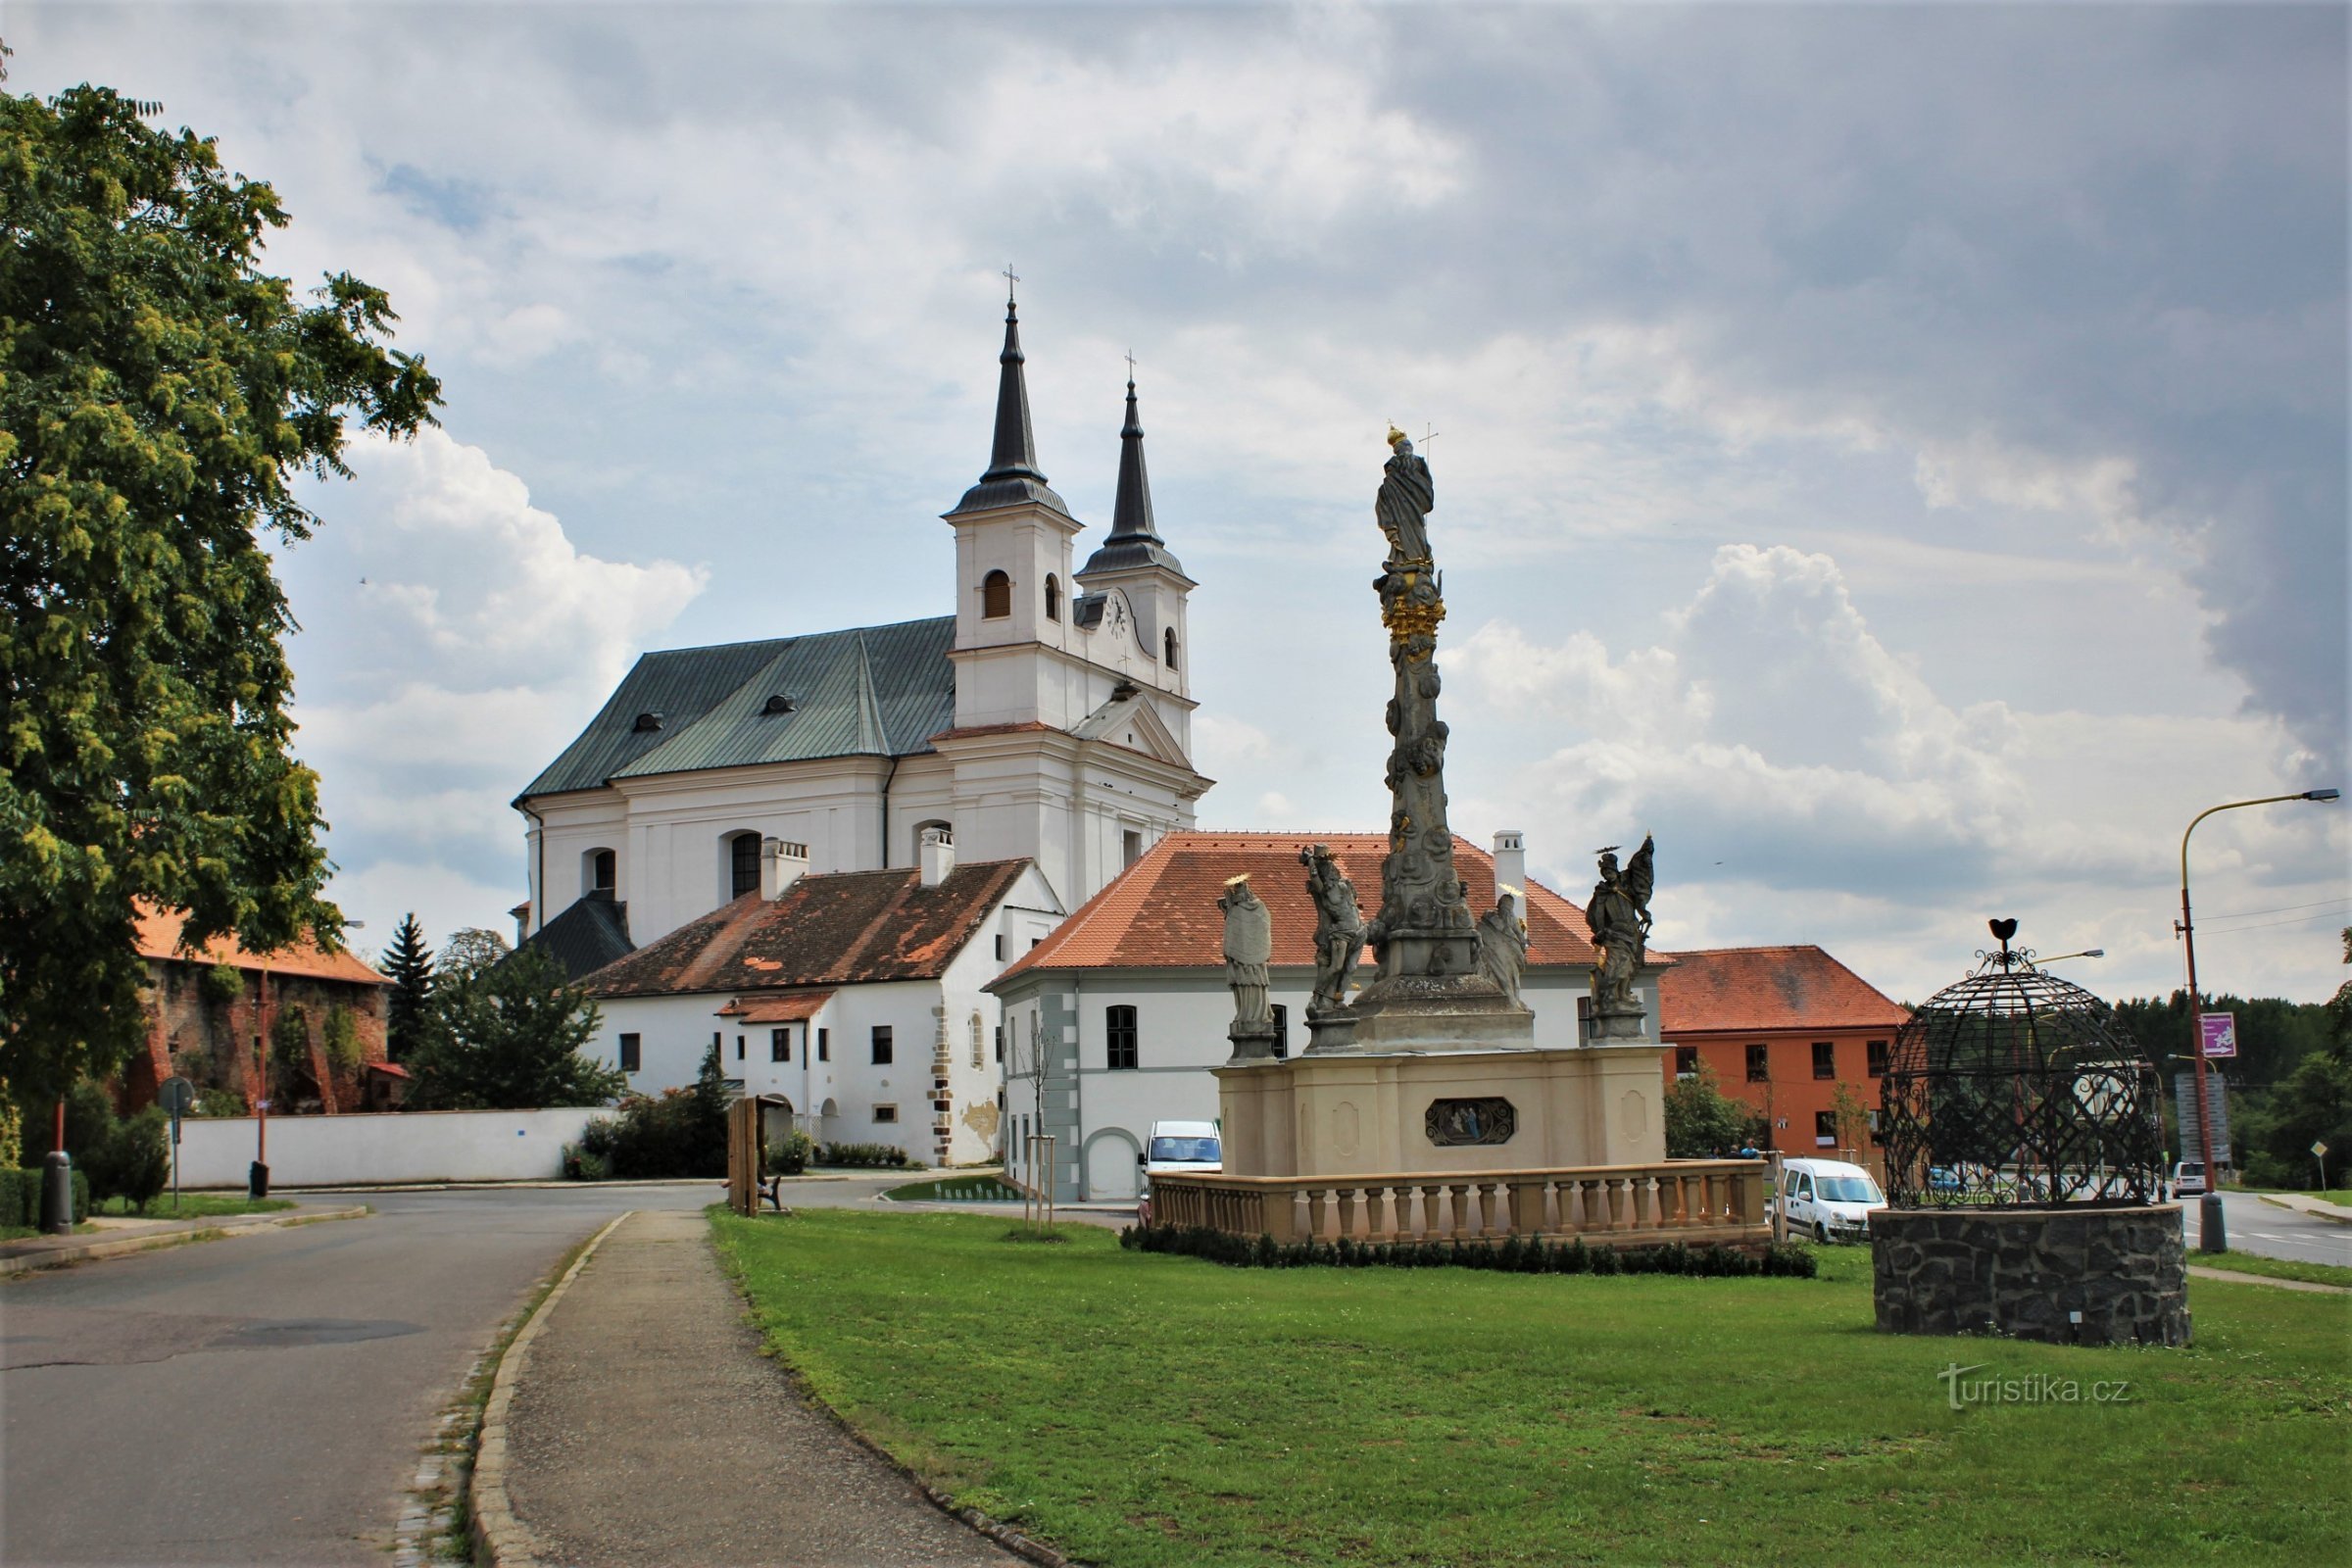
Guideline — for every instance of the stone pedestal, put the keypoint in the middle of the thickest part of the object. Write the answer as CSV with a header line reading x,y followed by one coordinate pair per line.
x,y
2064,1275
1365,1113
1252,1042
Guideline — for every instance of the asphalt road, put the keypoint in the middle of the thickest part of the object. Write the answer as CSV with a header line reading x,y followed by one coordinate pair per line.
x,y
2268,1231
263,1399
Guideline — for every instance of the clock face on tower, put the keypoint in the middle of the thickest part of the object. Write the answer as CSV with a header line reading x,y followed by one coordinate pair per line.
x,y
1119,611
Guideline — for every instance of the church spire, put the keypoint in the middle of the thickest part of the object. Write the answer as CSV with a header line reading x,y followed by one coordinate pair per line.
x,y
1134,540
1012,475
1015,454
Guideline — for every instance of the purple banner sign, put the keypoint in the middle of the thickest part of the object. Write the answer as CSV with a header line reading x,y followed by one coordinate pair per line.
x,y
2217,1032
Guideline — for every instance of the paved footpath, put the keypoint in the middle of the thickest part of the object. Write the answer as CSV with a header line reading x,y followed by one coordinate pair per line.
x,y
646,1429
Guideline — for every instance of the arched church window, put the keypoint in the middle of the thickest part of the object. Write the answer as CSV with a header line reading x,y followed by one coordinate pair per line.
x,y
1167,644
743,864
1053,597
995,596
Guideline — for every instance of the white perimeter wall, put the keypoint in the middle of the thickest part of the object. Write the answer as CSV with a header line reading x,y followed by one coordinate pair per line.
x,y
415,1146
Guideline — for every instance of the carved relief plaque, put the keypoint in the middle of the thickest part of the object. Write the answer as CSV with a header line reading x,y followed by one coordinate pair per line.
x,y
1458,1123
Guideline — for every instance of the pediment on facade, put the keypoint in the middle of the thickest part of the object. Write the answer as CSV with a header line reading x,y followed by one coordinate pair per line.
x,y
1131,722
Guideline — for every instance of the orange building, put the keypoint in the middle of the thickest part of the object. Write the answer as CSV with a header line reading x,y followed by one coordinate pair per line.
x,y
207,1010
1781,1028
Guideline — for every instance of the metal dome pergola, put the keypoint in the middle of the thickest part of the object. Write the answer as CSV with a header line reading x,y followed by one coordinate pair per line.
x,y
2016,1089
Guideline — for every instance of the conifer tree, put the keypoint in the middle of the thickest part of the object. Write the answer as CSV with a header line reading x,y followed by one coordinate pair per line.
x,y
408,965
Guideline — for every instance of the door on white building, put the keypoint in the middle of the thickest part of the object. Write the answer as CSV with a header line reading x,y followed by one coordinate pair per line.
x,y
1110,1169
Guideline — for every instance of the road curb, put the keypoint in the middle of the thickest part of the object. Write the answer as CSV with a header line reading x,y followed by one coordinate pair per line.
x,y
2316,1208
220,1229
499,1538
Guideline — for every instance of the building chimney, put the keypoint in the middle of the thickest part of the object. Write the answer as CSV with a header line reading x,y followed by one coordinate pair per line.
x,y
782,862
1511,863
937,855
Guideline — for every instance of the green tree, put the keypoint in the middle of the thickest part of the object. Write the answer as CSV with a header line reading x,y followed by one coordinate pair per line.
x,y
409,965
470,950
1702,1122
508,1037
160,394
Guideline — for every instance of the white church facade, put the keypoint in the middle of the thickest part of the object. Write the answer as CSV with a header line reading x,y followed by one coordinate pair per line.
x,y
1049,718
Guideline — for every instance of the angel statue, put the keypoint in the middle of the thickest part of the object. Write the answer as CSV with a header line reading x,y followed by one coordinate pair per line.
x,y
1248,945
1618,916
1407,493
1502,941
1338,929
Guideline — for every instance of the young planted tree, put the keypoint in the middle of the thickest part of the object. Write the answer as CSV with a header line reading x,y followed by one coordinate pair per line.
x,y
160,393
409,965
508,1037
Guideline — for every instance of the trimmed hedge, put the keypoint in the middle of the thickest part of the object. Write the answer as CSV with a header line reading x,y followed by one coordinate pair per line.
x,y
1511,1256
21,1198
888,1155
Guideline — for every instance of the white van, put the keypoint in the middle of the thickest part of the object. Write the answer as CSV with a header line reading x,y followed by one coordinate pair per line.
x,y
1829,1199
1178,1149
1183,1149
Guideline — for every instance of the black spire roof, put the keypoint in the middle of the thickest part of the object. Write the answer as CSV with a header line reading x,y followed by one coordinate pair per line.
x,y
1133,540
1012,475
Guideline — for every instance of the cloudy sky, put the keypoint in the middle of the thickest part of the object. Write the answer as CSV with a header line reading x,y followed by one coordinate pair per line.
x,y
1897,455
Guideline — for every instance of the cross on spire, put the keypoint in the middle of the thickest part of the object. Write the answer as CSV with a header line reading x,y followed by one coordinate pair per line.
x,y
1011,278
1131,366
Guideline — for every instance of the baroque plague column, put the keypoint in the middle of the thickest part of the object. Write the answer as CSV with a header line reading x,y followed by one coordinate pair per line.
x,y
1431,1067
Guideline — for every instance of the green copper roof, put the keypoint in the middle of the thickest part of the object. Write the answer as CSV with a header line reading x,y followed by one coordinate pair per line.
x,y
876,691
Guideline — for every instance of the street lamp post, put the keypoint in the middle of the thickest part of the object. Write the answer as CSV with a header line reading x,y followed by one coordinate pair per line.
x,y
2213,1235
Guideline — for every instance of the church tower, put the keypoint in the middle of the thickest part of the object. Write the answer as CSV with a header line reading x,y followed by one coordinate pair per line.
x,y
1135,561
1073,722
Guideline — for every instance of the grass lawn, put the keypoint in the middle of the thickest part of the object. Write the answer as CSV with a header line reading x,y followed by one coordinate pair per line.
x,y
2277,1268
195,1206
1137,1409
956,1190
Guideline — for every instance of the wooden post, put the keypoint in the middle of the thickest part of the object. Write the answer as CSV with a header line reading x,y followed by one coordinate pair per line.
x,y
746,1157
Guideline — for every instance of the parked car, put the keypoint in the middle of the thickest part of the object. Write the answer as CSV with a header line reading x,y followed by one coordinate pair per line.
x,y
1178,1149
1829,1199
2188,1179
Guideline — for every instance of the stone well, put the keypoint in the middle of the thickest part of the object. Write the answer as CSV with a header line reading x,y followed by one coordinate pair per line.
x,y
2027,1272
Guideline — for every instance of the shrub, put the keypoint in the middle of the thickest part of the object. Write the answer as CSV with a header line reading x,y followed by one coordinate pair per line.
x,y
219,1102
1520,1255
789,1156
139,1158
223,983
888,1155
651,1137
21,1198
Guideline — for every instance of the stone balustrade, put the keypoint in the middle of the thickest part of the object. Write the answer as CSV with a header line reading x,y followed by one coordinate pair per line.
x,y
1691,1200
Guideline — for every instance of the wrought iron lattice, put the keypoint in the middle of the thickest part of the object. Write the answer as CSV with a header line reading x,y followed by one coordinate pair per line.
x,y
2014,1087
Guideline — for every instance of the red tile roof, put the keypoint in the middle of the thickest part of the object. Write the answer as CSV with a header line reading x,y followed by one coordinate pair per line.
x,y
842,928
1162,911
160,933
1749,989
793,1007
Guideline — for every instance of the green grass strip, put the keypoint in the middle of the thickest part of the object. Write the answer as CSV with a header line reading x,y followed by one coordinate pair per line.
x,y
2277,1268
1140,1409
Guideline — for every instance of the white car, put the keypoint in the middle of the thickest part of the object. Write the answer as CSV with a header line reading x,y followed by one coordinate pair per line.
x,y
1829,1199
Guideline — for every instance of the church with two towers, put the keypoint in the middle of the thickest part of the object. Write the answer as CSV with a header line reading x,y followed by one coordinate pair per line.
x,y
1048,717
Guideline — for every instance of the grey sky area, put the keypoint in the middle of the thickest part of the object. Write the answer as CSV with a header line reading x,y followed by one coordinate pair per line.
x,y
1897,455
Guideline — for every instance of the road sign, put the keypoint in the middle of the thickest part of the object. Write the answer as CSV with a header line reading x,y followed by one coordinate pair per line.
x,y
2320,1148
177,1097
2218,1033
